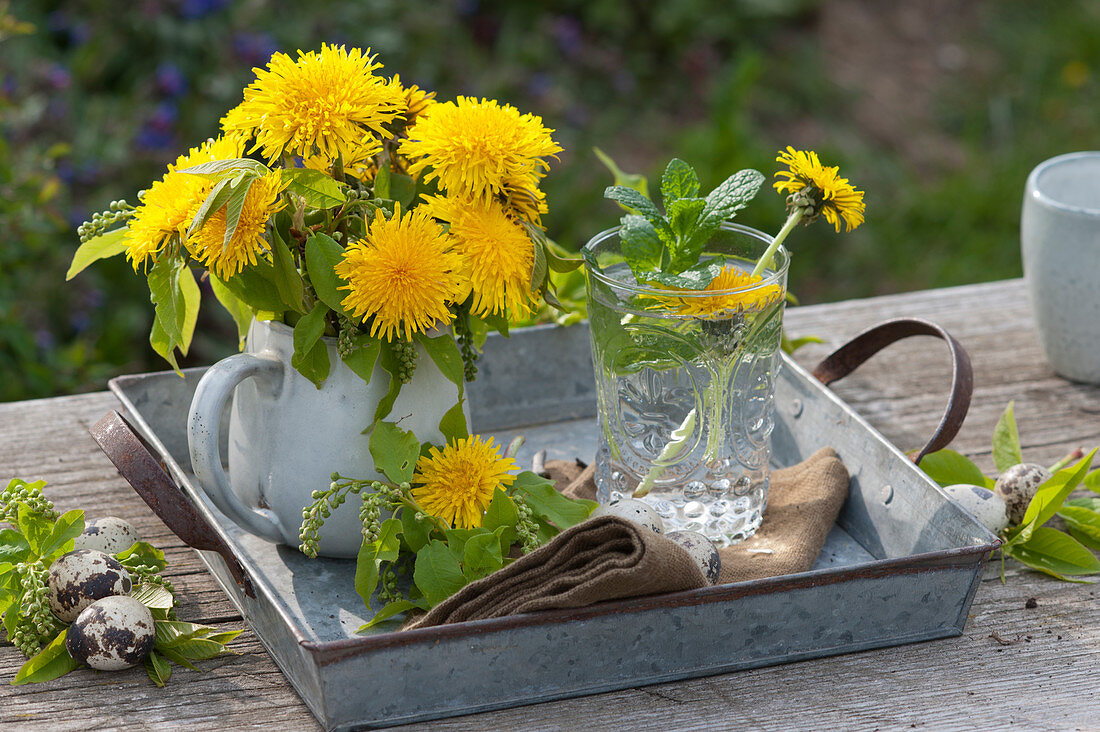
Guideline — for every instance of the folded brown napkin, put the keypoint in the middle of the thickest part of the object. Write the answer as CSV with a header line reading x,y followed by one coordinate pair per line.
x,y
608,558
605,558
803,503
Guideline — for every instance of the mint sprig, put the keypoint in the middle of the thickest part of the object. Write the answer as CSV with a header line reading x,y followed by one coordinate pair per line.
x,y
657,245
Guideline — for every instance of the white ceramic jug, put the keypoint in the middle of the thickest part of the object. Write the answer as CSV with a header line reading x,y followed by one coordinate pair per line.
x,y
286,436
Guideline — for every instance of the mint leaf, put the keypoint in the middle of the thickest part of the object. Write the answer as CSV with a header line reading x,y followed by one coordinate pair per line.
x,y
437,572
694,278
395,451
640,244
731,196
633,201
679,181
371,555
682,217
100,247
948,467
1006,441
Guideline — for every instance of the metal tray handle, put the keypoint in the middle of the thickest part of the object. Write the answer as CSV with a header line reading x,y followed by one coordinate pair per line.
x,y
136,461
855,352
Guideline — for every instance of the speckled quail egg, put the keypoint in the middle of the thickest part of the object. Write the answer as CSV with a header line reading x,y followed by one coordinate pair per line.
x,y
1017,486
634,510
81,577
981,503
112,634
701,549
108,534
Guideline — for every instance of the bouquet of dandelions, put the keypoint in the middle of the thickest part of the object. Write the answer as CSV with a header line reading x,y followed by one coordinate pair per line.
x,y
667,252
374,214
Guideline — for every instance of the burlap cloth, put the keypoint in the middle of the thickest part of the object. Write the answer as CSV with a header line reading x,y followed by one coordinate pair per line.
x,y
608,558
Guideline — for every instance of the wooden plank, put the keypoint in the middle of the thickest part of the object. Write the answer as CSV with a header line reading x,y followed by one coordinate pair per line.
x,y
1045,678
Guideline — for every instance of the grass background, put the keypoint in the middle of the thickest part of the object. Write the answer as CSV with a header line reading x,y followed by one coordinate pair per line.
x,y
937,109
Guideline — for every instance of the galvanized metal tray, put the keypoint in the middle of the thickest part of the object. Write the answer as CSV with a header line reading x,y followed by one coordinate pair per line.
x,y
901,565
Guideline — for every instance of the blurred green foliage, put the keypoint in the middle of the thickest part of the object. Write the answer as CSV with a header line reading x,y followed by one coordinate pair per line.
x,y
99,97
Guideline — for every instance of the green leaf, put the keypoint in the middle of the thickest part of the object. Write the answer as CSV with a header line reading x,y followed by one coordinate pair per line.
x,y
633,202
415,533
224,636
389,611
679,181
35,528
395,451
501,511
1085,539
153,596
50,663
310,356
219,169
1093,504
287,279
731,196
382,182
482,556
682,217
173,633
371,555
437,572
159,670
1081,520
317,189
198,649
214,201
176,657
539,268
67,527
453,424
402,189
392,365
14,547
235,205
640,244
631,180
322,256
693,278
174,292
1092,481
101,247
1049,498
236,307
548,503
445,355
255,286
1049,550
790,345
948,467
363,355
1006,441
142,552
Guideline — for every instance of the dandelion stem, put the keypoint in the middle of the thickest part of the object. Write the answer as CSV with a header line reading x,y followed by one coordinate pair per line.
x,y
766,257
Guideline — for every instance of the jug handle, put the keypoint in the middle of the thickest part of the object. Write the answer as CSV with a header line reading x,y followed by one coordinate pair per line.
x,y
204,435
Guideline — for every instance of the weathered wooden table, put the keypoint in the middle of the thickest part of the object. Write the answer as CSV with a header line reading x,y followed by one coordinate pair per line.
x,y
1030,668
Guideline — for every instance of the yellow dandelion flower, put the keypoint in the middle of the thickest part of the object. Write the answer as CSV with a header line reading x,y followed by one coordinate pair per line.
x,y
819,189
248,242
497,252
457,483
475,148
526,200
735,291
403,273
169,204
323,103
416,99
